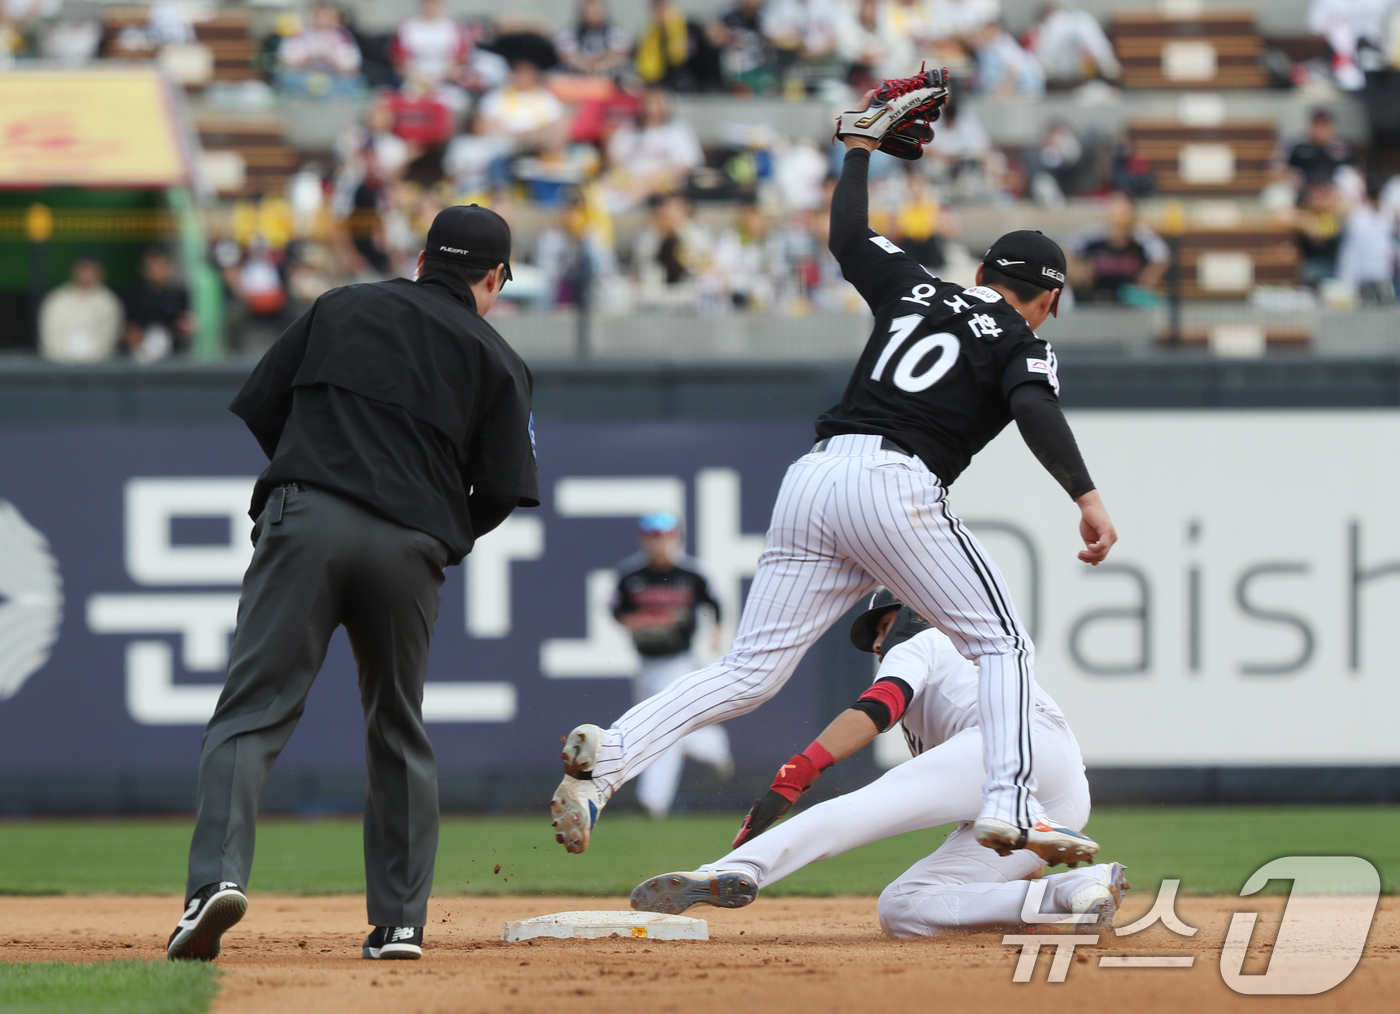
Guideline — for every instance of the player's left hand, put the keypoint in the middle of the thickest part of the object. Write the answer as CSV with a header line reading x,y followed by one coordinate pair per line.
x,y
763,815
1095,529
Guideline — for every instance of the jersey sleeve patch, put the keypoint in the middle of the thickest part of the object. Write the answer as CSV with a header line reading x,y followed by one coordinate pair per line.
x,y
885,245
983,293
1047,368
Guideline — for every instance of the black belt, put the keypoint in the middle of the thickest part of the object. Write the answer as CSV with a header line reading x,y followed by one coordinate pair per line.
x,y
886,444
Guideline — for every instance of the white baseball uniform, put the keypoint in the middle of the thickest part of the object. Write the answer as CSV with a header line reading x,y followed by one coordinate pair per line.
x,y
962,884
849,517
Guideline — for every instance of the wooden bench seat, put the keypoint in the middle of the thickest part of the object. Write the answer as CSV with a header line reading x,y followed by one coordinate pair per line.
x,y
1213,49
1232,158
1228,263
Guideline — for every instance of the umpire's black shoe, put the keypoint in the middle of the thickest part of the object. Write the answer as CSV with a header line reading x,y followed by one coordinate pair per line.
x,y
213,909
402,943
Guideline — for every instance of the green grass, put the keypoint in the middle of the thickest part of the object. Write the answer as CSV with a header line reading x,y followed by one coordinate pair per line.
x,y
114,987
1211,850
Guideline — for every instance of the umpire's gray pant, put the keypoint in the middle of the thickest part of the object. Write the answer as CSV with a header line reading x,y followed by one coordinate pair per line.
x,y
329,562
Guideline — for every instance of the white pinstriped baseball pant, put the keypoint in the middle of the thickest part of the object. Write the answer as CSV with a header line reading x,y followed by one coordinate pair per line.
x,y
962,884
848,518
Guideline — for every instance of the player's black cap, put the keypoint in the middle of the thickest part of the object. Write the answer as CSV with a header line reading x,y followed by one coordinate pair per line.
x,y
471,234
1029,255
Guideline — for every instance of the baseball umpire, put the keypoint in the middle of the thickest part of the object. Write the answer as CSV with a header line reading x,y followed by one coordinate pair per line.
x,y
399,430
944,370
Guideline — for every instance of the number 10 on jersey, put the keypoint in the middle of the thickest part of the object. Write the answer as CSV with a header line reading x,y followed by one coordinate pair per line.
x,y
905,376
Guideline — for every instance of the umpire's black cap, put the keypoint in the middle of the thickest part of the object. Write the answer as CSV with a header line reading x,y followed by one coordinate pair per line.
x,y
471,234
1029,255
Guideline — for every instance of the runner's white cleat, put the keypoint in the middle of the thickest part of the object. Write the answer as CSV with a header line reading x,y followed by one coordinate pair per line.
x,y
577,802
673,893
1053,844
1102,897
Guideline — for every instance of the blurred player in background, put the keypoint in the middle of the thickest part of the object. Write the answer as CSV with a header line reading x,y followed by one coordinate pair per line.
x,y
658,595
927,686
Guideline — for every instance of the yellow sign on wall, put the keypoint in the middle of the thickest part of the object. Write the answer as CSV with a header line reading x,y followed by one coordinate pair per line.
x,y
96,128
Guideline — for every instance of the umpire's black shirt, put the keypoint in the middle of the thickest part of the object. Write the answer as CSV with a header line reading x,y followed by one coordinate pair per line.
x,y
401,397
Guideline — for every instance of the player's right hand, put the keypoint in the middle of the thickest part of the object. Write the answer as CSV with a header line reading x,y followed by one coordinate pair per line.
x,y
763,815
1095,529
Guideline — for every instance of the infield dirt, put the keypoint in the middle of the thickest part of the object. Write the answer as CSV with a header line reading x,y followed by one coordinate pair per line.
x,y
299,954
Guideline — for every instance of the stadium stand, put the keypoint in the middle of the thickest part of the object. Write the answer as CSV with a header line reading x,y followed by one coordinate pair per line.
x,y
1197,120
1209,49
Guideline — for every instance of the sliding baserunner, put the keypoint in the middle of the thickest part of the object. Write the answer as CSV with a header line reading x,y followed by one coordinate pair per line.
x,y
924,683
944,371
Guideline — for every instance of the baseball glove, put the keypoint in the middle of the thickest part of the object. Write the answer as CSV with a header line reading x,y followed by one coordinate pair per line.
x,y
899,114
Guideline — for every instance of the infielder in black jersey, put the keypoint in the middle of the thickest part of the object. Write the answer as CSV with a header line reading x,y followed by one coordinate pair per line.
x,y
659,594
944,371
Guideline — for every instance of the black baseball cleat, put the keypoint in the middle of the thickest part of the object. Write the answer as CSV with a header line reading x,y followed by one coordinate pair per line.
x,y
394,943
199,934
673,893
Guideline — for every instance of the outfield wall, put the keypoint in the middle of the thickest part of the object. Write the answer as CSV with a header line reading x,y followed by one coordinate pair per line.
x,y
1240,644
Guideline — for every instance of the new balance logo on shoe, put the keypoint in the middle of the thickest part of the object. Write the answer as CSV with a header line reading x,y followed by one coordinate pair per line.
x,y
402,933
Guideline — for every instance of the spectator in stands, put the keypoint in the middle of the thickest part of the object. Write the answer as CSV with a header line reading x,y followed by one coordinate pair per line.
x,y
1114,262
1348,26
71,43
594,45
748,261
372,161
168,22
475,161
322,59
81,320
962,154
806,34
922,224
1317,158
1366,259
863,48
1071,46
1004,69
747,61
1061,166
799,176
431,50
1132,172
908,30
664,49
656,156
371,151
158,319
965,19
1319,220
24,16
525,111
671,253
576,252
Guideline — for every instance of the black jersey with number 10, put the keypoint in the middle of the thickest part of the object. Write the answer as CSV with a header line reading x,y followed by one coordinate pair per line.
x,y
940,363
